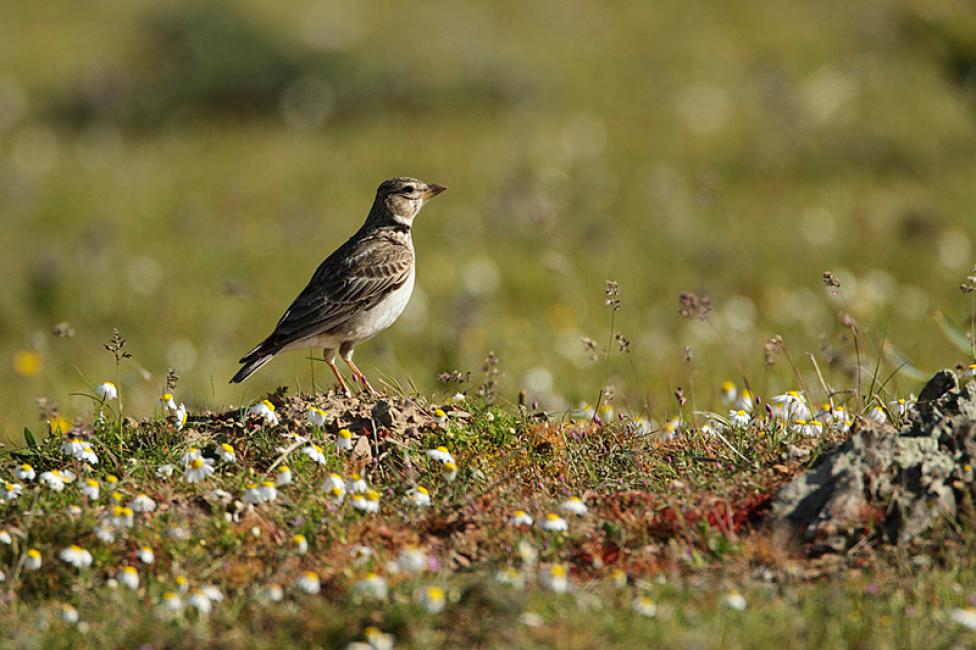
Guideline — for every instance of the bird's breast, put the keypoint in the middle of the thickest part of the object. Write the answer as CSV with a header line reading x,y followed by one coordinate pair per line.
x,y
372,322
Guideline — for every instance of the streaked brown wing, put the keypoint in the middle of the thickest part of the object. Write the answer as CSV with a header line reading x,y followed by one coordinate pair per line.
x,y
353,279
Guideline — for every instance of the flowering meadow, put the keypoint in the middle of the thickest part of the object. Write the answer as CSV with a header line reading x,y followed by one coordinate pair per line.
x,y
330,521
554,460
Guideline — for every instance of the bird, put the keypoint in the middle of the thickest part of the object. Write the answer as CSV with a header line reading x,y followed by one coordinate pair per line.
x,y
358,291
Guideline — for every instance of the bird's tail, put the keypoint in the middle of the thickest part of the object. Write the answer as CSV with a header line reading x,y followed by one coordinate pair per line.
x,y
251,366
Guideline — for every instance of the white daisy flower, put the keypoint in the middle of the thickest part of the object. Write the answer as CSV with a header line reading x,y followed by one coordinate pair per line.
x,y
584,411
344,440
317,417
554,523
746,401
88,455
5,538
418,496
901,407
198,600
315,452
372,501
182,584
54,479
171,602
142,503
226,453
24,472
32,560
12,490
165,471
69,614
619,578
91,489
198,469
440,454
76,556
368,502
641,425
449,471
378,640
356,484
168,402
791,405
739,418
412,560
146,555
212,593
266,411
440,417
735,600
511,577
300,543
107,391
361,554
729,393
122,517
877,415
574,506
309,583
809,428
335,487
431,598
181,415
73,446
129,577
253,495
644,606
268,491
372,586
189,456
964,617
520,518
555,577
275,593
283,476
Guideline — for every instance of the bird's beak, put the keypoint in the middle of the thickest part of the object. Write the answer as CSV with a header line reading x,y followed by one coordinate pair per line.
x,y
432,190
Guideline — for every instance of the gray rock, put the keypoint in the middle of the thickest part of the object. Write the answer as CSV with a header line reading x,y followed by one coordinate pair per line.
x,y
885,484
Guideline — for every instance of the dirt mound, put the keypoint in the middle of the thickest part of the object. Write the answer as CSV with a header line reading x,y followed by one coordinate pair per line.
x,y
887,484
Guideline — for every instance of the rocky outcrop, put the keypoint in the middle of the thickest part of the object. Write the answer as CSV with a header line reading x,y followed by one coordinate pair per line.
x,y
888,484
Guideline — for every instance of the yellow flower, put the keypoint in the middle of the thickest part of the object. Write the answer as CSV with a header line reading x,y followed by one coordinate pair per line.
x,y
27,363
59,425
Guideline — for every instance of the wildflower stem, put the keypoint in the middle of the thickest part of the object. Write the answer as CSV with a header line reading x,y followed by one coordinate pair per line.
x,y
606,365
829,394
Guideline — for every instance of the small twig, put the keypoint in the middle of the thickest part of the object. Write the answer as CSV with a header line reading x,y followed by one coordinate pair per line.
x,y
287,452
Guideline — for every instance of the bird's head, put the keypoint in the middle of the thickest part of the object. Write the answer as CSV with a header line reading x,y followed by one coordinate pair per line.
x,y
402,197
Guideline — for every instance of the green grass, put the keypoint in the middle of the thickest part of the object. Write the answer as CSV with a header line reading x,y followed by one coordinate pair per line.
x,y
178,172
676,521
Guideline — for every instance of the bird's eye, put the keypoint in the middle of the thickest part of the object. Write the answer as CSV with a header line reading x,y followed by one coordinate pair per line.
x,y
408,189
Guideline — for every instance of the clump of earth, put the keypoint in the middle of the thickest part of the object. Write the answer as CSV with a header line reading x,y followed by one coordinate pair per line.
x,y
886,483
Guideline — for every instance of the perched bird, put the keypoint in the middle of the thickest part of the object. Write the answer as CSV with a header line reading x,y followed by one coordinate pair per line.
x,y
359,291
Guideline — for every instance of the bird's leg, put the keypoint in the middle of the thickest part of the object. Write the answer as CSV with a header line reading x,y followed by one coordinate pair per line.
x,y
345,351
330,356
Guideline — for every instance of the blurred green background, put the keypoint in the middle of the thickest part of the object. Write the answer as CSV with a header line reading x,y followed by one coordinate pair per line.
x,y
178,170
